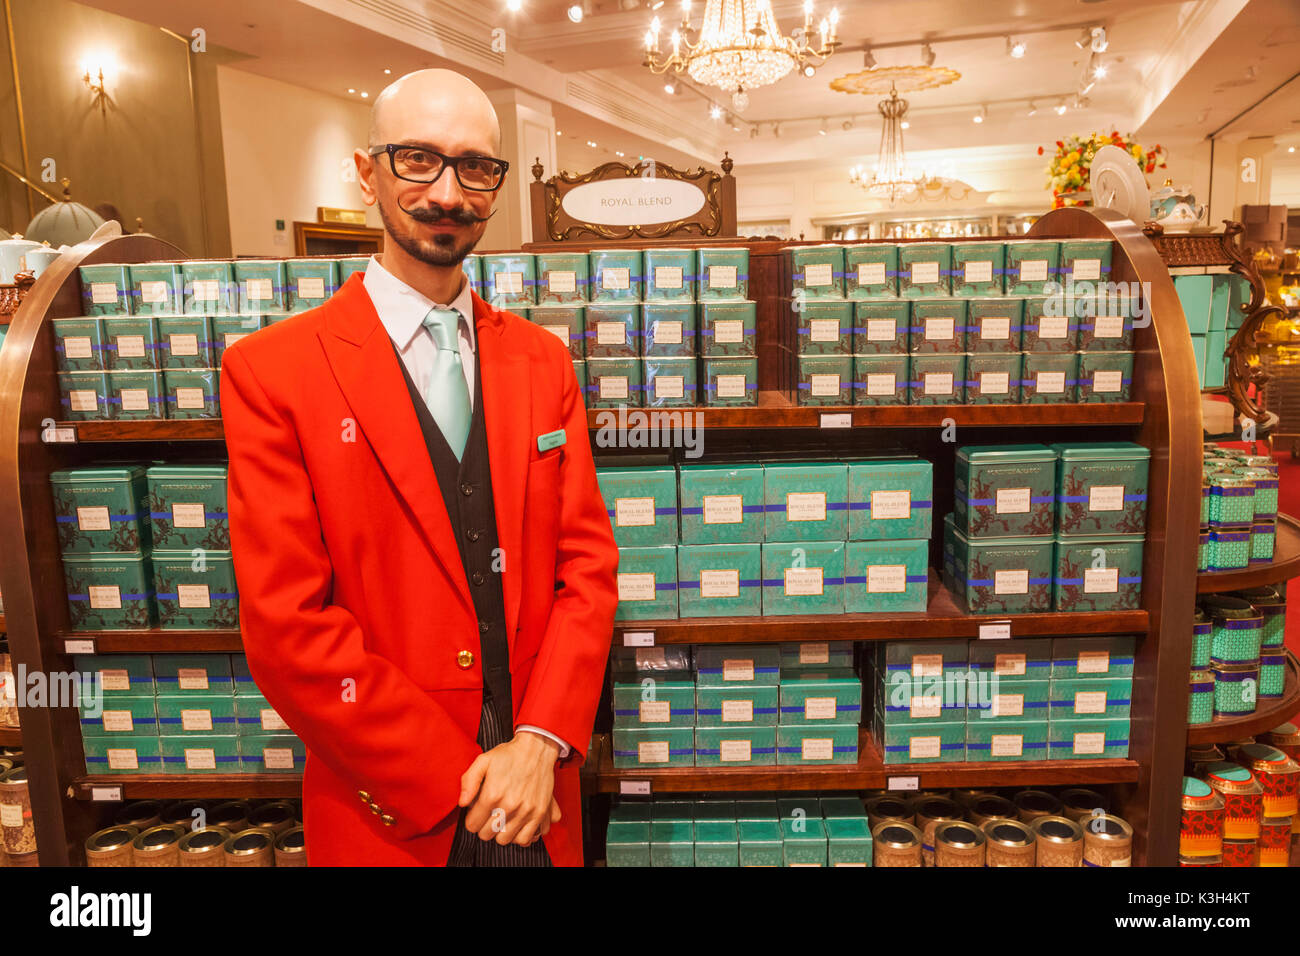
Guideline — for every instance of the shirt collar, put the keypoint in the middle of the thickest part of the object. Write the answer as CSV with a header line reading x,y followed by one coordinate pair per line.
x,y
402,309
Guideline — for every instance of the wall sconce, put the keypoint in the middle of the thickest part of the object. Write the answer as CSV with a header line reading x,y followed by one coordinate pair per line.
x,y
93,77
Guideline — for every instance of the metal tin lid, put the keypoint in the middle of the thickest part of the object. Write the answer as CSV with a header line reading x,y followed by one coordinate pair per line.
x,y
254,840
112,838
293,840
1112,829
228,812
183,811
1201,676
959,833
158,839
1109,451
142,811
937,808
1284,735
186,471
992,807
1195,787
272,814
896,834
1216,860
1204,753
1011,833
1222,607
1005,453
1081,798
1266,759
80,475
206,840
1230,778
1229,480
17,777
888,808
1038,801
1057,829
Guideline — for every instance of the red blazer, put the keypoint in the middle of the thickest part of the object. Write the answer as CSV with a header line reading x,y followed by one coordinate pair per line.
x,y
354,605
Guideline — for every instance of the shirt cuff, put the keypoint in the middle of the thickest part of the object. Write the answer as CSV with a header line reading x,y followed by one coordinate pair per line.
x,y
564,748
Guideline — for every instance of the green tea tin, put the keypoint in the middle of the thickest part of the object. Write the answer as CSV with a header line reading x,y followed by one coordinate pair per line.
x,y
1006,740
1088,738
200,753
580,376
1105,376
1237,629
881,326
271,753
654,704
994,325
615,381
757,808
647,583
721,504
938,325
562,277
977,268
254,714
1202,639
825,380
803,577
115,675
824,744
734,665
730,381
1049,378
101,510
842,808
848,841
210,287
722,273
613,330
993,378
119,716
805,501
803,842
309,282
131,343
813,699
263,285
924,269
1014,661
1101,487
195,592
196,714
1232,501
669,274
229,329
509,279
83,396
937,379
1265,497
1100,656
186,341
1200,697
871,270
350,265
1270,604
193,675
641,503
108,591
741,704
760,843
904,699
671,382
1272,675
1004,490
106,289
661,662
1047,326
79,344
1229,549
616,275
890,498
936,741
1105,324
192,393
1003,575
717,843
111,754
719,580
1091,697
997,700
735,746
816,272
801,657
886,576
649,747
567,323
135,395
728,328
669,329
157,288
672,843
1032,267
1236,689
823,328
1085,260
1098,573
627,843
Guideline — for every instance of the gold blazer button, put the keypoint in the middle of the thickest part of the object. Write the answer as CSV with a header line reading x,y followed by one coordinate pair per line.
x,y
464,659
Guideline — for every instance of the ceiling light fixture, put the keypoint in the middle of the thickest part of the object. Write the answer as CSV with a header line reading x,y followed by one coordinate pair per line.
x,y
868,59
822,129
1290,149
1084,39
980,115
575,13
388,72
809,71
364,94
670,88
1099,71
905,125
715,112
1015,48
927,54
619,152
1061,108
514,6
352,89
558,133
1032,109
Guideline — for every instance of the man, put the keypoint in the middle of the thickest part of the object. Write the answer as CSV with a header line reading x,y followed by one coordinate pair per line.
x,y
425,564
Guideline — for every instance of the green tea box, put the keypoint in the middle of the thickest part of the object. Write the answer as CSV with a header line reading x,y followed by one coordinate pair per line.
x,y
822,744
271,753
801,657
842,808
106,289
924,269
210,287
654,704
1088,738
735,746
1047,326
728,329
977,268
1006,740
1032,267
157,288
1105,376
1085,260
647,583
350,265
131,342
848,841
938,325
510,279
871,270
890,498
881,326
616,275
101,509
906,699
108,591
816,272
112,754
83,396
1017,660
1101,487
999,700
194,714
806,501
1091,697
195,592
825,380
722,273
135,395
185,340
615,381
881,379
79,344
669,330
677,811
1106,323
632,811
823,328
672,843
1049,378
661,662
1004,575
262,285
886,576
803,577
627,843
719,580
993,378
243,678
949,550
613,329
567,323
717,843
229,329
994,325
115,675
1004,490
1099,656
760,843
199,753
671,382
310,282
192,392
118,716
580,375
815,699
721,504
562,277
803,842
641,503
938,379
193,675
932,658
736,665
730,381
1098,573
669,274
472,266
255,715
936,741
649,747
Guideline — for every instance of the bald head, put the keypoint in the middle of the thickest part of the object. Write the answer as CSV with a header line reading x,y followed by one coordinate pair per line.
x,y
438,107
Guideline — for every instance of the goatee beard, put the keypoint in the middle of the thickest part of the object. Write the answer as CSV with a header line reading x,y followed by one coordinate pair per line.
x,y
442,251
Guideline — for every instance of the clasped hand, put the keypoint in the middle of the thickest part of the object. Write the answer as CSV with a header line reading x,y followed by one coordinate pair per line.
x,y
510,791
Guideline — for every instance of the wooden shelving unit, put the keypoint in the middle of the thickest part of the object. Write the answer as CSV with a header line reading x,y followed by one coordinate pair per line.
x,y
1268,714
191,786
1284,566
11,737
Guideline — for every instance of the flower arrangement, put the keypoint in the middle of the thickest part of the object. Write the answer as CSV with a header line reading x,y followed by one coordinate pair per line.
x,y
1067,173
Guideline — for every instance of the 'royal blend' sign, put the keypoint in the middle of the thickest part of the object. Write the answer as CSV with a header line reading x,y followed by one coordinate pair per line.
x,y
633,202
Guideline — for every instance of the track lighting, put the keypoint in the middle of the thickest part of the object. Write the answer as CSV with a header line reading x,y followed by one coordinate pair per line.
x,y
927,54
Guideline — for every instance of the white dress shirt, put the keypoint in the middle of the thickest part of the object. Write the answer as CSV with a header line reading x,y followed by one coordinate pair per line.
x,y
402,310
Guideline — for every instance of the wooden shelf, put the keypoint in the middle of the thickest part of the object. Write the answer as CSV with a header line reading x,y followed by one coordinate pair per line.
x,y
1284,566
869,773
149,430
11,737
775,410
194,786
1267,715
157,641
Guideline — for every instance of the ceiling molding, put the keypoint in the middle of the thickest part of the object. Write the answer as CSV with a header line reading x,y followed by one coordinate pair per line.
x,y
449,31
1195,34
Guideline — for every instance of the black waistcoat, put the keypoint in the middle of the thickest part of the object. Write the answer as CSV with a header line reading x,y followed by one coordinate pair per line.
x,y
466,487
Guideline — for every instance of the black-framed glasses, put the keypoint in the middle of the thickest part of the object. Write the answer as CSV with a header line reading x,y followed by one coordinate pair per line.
x,y
419,164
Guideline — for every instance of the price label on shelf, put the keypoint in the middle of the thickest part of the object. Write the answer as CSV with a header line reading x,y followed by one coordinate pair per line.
x,y
81,646
634,788
638,638
838,420
903,783
56,436
995,631
106,794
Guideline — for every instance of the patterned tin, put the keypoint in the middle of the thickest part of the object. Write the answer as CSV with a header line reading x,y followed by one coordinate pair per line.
x,y
1032,267
1091,697
1284,737
823,328
79,344
881,379
938,379
309,282
615,381
568,324
562,278
993,378
1237,629
1236,689
1003,575
826,744
1266,484
1275,841
924,269
1241,853
1101,487
816,272
871,270
108,591
1277,774
1105,376
616,275
1105,322
130,342
803,577
210,287
978,268
192,393
938,325
135,394
722,274
1229,549
157,288
195,599
1262,540
730,381
670,274
510,279
1050,378
101,510
881,326
1085,260
1202,639
1201,831
613,330
1097,573
83,396
825,380
668,329
885,576
1200,698
1088,738
719,580
1271,605
727,329
1047,327
262,285
349,265
1205,501
671,382
185,341
1232,501
106,289
994,325
1004,490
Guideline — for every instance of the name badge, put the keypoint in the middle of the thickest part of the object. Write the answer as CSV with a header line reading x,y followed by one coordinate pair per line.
x,y
551,440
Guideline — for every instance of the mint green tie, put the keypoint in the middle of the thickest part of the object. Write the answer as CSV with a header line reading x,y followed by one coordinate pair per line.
x,y
447,394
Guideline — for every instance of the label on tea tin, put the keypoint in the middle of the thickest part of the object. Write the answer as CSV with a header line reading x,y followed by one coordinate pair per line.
x,y
1086,270
737,711
1033,270
1050,382
562,281
1106,498
115,679
729,331
122,758
103,293
824,384
206,290
881,330
196,719
636,586
979,271
613,386
891,504
668,277
1094,743
817,274
1108,327
258,290
738,669
272,721
925,706
938,329
722,277
1009,665
154,291
183,344
311,287
1090,702
188,515
609,333
130,346
995,327
1011,501
193,595
508,283
1008,705
805,506
871,273
938,383
927,665
886,579
105,596
614,279
731,386
655,712
1011,582
200,758
11,814
994,383
189,397
667,333
1107,380
231,338
1093,662
734,751
925,273
1007,745
118,721
634,512
277,758
192,678
649,658
83,400
92,518
77,347
824,330
817,748
919,748
723,583
670,386
561,332
1101,580
135,399
881,383
723,509
803,582
652,751
816,652
1053,327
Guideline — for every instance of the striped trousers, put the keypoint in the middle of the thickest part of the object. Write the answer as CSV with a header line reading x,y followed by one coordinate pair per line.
x,y
466,848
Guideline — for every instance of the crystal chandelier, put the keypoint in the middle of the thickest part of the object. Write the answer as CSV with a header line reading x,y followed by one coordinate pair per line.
x,y
738,45
890,179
